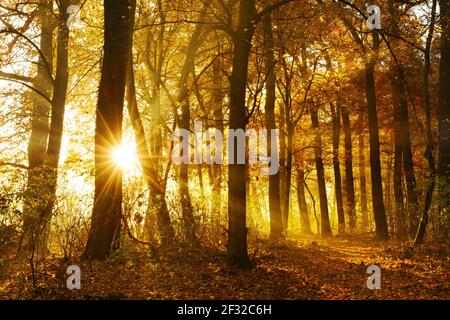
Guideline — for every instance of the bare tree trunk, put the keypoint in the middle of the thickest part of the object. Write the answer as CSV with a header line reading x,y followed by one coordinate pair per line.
x,y
276,222
362,173
183,100
237,229
106,215
37,146
336,118
420,235
216,203
56,122
304,218
290,134
443,117
157,206
375,163
45,164
388,195
325,220
282,160
398,182
402,126
349,187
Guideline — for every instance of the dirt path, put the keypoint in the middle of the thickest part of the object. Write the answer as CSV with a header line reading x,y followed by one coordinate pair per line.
x,y
294,269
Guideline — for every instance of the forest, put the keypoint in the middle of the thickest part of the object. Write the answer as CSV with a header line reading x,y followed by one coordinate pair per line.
x,y
225,149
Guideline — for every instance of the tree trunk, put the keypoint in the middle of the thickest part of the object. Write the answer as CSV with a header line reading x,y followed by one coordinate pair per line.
x,y
37,146
362,173
183,100
398,181
282,160
349,187
237,229
429,134
336,118
325,220
276,225
56,122
287,188
388,194
443,117
402,126
304,219
157,206
216,171
43,172
374,139
106,216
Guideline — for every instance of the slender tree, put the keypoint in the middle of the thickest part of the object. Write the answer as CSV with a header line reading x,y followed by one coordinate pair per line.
x,y
106,215
429,134
237,229
349,187
336,119
276,227
374,139
325,227
301,197
443,117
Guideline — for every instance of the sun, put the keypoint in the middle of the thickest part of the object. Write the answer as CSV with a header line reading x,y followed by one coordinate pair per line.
x,y
125,156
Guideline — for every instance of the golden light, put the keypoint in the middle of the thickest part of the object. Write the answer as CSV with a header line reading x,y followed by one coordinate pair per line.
x,y
125,156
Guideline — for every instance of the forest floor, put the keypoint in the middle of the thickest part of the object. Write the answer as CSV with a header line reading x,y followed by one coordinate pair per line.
x,y
297,268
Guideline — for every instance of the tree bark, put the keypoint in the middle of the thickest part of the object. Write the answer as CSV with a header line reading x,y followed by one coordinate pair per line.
x,y
276,225
401,126
336,119
304,218
349,187
443,117
362,173
216,171
58,105
325,220
420,235
106,216
381,229
288,169
44,157
398,181
237,229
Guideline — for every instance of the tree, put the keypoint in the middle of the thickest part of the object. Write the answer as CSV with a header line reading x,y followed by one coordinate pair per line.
x,y
303,208
429,134
403,153
276,225
374,142
106,215
349,187
443,116
183,99
362,171
336,119
156,187
325,228
237,229
45,141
